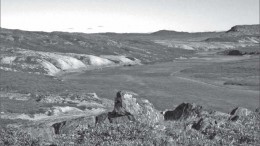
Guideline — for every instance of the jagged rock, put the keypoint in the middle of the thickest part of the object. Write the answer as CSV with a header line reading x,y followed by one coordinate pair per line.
x,y
129,103
183,111
125,103
129,107
239,112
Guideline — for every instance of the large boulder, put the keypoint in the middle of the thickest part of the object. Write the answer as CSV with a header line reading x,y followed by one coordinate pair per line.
x,y
126,103
128,106
239,112
183,112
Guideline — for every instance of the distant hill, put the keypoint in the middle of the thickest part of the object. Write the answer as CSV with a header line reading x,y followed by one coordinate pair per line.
x,y
131,45
185,35
239,33
245,30
168,32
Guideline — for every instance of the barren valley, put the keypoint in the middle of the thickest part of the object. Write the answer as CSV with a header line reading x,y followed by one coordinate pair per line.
x,y
59,83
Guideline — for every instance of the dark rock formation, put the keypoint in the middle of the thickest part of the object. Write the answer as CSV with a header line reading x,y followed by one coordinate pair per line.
x,y
183,111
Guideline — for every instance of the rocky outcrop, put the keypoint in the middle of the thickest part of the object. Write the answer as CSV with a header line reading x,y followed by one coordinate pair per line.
x,y
239,112
183,112
128,106
244,30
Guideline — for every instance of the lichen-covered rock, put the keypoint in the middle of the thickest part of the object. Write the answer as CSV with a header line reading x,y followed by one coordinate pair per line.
x,y
183,112
125,103
142,110
238,113
128,106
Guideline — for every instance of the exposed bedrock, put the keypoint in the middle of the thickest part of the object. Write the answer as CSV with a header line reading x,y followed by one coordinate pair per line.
x,y
128,106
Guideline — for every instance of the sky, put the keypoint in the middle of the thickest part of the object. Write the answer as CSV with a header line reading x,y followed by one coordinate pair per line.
x,y
91,16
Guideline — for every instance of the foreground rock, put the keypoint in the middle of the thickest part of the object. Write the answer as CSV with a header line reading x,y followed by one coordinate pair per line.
x,y
134,121
239,112
183,112
128,106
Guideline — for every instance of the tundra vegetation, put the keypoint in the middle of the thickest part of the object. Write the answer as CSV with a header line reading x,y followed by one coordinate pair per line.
x,y
162,88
